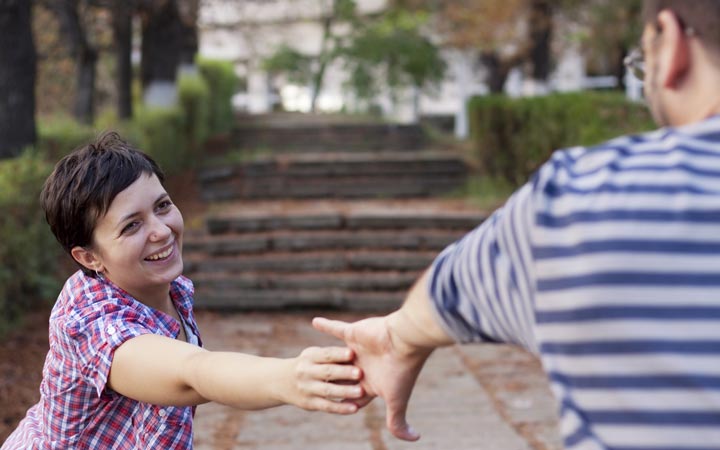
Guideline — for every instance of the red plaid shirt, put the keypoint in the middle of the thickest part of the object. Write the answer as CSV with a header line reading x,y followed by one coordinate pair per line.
x,y
92,318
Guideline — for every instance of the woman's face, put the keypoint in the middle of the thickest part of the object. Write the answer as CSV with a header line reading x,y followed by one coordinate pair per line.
x,y
138,242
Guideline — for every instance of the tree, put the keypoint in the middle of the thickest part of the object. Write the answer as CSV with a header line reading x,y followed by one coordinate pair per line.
x,y
609,29
310,69
161,42
70,14
122,37
17,77
502,34
391,51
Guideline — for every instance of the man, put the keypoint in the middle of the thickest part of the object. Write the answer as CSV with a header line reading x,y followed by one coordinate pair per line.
x,y
606,264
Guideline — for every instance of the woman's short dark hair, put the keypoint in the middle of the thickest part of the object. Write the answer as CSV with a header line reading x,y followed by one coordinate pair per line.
x,y
703,16
84,183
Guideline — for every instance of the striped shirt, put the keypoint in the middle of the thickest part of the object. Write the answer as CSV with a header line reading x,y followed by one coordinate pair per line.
x,y
607,265
91,318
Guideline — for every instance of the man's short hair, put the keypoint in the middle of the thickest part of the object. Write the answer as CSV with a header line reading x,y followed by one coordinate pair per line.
x,y
84,183
703,16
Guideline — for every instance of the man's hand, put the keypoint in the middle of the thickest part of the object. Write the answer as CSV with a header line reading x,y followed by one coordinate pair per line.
x,y
390,366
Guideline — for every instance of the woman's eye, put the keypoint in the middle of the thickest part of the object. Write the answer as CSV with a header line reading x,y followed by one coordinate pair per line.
x,y
130,227
163,205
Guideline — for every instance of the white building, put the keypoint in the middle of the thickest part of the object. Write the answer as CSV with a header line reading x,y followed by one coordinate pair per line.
x,y
247,32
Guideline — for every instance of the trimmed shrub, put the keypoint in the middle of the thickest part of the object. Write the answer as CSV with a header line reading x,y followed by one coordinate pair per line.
x,y
194,100
161,133
59,135
513,137
29,253
222,83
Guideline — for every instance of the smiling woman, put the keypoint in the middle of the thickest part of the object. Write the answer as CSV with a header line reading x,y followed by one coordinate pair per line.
x,y
126,365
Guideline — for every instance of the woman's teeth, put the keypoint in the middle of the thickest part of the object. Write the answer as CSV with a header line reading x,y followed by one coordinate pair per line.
x,y
162,255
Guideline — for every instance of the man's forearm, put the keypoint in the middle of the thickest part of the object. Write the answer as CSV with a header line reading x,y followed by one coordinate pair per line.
x,y
414,326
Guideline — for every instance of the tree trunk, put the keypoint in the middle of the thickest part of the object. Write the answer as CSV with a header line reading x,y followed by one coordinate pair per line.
x,y
620,68
188,31
17,77
497,71
122,36
322,61
541,25
161,44
85,56
84,110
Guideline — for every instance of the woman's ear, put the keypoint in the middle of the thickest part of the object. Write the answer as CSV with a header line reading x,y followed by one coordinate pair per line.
x,y
87,258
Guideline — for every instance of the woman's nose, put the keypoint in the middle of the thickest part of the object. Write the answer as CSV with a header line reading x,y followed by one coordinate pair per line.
x,y
159,230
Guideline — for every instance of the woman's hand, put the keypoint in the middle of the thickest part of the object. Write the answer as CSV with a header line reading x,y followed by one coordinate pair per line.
x,y
324,379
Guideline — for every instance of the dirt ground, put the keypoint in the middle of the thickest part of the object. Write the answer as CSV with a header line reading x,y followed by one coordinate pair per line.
x,y
22,354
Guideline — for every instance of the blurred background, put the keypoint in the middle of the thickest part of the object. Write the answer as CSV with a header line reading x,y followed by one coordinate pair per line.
x,y
322,151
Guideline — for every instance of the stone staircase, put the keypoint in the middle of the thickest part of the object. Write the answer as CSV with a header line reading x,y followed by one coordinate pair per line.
x,y
361,256
345,229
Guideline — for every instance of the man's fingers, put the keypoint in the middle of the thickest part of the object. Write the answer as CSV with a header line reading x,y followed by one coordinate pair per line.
x,y
332,327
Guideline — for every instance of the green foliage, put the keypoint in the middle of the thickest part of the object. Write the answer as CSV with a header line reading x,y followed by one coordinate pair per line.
x,y
222,83
162,136
59,135
392,52
29,254
485,192
296,66
513,137
194,99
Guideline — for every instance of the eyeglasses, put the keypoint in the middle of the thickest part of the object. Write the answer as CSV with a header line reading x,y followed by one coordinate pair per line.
x,y
635,63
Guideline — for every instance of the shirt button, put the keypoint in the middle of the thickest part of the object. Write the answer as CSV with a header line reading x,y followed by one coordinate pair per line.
x,y
162,413
111,330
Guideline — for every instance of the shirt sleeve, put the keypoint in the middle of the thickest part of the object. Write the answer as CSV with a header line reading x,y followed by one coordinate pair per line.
x,y
482,286
104,328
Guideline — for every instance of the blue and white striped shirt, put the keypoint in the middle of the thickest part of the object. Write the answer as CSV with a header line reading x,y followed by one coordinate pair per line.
x,y
607,265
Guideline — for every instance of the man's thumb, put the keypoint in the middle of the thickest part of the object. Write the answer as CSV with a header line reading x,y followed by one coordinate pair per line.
x,y
399,427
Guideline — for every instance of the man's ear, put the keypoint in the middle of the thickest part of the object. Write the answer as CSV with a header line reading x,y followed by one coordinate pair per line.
x,y
674,54
87,258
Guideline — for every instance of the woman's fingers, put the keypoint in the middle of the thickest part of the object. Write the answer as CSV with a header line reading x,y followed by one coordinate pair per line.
x,y
323,404
326,355
334,391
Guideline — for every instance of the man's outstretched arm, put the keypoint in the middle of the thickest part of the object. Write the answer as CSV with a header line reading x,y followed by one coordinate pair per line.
x,y
392,350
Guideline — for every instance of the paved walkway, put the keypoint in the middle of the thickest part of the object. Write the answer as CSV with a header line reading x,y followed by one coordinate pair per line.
x,y
469,397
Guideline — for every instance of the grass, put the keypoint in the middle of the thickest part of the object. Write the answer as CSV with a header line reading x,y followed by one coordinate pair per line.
x,y
484,192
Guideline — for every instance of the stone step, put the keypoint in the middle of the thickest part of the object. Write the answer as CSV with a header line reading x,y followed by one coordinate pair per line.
x,y
352,281
242,243
380,219
350,188
267,299
338,165
337,175
320,261
297,137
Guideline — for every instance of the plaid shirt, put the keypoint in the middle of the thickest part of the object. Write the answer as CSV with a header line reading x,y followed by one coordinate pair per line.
x,y
92,318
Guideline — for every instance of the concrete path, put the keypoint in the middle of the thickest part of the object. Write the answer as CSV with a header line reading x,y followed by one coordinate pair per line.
x,y
469,397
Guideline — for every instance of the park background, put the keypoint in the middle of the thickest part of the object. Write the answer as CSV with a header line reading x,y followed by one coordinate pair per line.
x,y
346,88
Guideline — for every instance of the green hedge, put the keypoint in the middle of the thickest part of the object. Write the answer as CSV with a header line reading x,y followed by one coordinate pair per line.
x,y
513,137
59,135
29,254
161,135
194,100
222,83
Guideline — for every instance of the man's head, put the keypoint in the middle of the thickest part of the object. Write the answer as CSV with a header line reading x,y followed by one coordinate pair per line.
x,y
681,44
84,184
